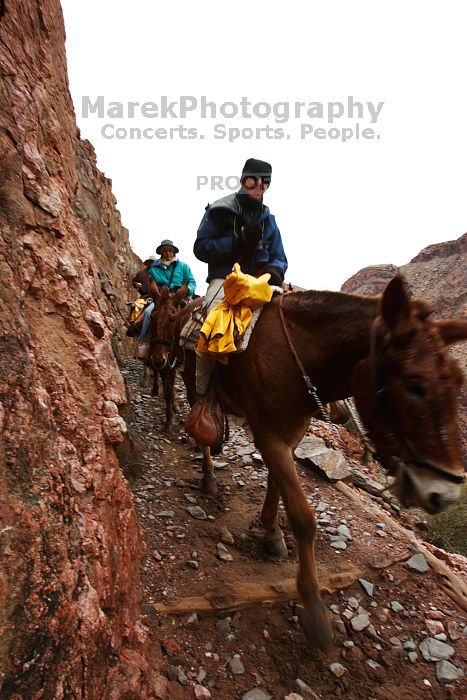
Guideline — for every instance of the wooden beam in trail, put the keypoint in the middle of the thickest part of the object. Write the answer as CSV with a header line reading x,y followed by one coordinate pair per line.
x,y
450,583
234,596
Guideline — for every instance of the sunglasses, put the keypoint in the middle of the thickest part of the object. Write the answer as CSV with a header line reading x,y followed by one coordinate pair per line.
x,y
265,181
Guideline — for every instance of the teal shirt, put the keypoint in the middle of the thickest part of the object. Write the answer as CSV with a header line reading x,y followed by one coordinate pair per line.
x,y
181,275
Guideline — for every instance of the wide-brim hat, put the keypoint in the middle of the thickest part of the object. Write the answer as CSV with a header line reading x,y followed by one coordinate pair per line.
x,y
150,258
166,241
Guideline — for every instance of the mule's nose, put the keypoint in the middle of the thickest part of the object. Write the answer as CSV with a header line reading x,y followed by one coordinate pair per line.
x,y
160,365
441,499
435,503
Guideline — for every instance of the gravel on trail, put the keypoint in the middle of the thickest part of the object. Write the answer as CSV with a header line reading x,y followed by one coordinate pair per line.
x,y
383,647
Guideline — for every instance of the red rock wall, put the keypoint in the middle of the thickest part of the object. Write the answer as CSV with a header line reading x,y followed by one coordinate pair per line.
x,y
69,540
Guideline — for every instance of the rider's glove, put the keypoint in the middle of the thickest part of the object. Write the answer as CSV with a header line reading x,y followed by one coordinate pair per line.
x,y
277,277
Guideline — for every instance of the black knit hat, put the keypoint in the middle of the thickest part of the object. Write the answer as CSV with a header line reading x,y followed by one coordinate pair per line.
x,y
257,168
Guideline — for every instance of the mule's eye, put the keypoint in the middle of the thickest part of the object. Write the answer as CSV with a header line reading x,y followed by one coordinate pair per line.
x,y
416,390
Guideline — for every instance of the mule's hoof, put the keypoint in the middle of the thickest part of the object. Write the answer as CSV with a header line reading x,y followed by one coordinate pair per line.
x,y
209,486
316,626
168,428
276,548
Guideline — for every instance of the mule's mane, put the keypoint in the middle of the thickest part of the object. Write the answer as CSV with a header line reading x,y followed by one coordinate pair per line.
x,y
330,304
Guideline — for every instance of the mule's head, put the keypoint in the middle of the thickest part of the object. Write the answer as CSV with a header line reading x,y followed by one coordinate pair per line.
x,y
406,392
163,323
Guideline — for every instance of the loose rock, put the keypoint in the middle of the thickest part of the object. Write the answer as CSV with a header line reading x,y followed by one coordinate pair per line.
x,y
417,563
223,626
409,645
201,675
395,641
236,666
161,686
226,536
434,650
453,630
372,664
396,607
367,587
447,672
344,531
197,512
435,615
257,694
337,670
305,690
434,627
360,622
339,545
224,556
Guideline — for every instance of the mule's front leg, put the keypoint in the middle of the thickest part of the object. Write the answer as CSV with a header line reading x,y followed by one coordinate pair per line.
x,y
169,396
274,542
278,457
208,482
155,383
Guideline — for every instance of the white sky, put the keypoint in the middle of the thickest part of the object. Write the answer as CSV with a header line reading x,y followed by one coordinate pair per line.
x,y
339,206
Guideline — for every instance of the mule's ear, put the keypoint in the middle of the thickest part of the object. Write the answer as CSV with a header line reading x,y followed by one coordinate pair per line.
x,y
181,293
394,304
452,330
153,288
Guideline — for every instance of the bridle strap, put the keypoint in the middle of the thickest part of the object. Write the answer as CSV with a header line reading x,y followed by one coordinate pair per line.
x,y
449,476
380,391
162,341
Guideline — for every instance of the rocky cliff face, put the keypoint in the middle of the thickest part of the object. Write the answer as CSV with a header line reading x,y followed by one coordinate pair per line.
x,y
438,275
69,538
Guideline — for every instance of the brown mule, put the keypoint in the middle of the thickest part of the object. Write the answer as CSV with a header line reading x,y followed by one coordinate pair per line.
x,y
162,332
392,357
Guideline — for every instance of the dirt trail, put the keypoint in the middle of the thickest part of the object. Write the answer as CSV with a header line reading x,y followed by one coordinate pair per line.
x,y
264,647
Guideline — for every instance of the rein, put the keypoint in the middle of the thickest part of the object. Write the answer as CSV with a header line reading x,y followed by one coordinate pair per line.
x,y
310,387
381,395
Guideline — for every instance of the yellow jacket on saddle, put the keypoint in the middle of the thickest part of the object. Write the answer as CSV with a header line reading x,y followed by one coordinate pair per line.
x,y
229,320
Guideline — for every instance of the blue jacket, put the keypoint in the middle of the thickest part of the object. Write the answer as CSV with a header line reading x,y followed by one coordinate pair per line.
x,y
181,275
215,242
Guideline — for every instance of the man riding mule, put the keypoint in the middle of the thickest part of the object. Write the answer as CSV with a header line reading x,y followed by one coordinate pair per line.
x,y
238,228
141,280
311,348
168,271
171,282
136,308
